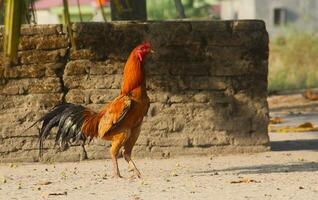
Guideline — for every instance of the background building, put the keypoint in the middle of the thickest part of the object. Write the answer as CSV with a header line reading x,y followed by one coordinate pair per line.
x,y
301,14
51,12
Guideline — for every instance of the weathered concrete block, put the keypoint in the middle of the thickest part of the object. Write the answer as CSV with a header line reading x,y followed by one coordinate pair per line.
x,y
207,139
102,96
31,86
82,67
32,101
93,82
77,67
49,29
25,71
41,56
46,42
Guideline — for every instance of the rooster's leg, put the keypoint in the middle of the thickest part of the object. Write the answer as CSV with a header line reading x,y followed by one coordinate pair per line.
x,y
114,153
129,144
116,173
84,153
117,143
131,164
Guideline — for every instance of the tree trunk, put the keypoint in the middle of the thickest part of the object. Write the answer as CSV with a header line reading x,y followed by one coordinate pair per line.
x,y
180,9
128,10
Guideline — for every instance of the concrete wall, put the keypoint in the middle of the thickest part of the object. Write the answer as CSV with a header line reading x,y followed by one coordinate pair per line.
x,y
207,84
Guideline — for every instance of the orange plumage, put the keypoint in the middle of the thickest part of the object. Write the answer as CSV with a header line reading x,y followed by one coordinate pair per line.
x,y
118,121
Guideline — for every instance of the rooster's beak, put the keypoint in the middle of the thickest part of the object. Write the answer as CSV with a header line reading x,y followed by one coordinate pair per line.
x,y
152,51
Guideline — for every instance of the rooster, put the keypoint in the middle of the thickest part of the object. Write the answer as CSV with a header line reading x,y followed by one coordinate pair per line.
x,y
118,121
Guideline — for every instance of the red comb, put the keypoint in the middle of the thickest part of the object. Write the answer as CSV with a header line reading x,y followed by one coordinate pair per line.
x,y
145,43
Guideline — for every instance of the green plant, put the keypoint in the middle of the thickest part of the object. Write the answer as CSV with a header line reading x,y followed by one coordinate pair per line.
x,y
14,12
17,12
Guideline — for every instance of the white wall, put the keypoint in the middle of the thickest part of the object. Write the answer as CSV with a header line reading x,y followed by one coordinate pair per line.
x,y
45,17
245,9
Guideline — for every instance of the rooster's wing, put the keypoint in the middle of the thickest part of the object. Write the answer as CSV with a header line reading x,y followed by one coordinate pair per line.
x,y
114,114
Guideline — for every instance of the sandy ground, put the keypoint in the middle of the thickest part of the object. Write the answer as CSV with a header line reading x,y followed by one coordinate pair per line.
x,y
290,171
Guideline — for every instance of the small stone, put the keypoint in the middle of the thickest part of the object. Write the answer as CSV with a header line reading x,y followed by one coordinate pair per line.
x,y
105,177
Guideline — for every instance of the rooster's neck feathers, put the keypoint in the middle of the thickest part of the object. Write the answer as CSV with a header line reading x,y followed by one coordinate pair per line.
x,y
133,73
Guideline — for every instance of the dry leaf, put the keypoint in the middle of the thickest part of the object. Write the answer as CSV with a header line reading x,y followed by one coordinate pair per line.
x,y
13,165
276,120
3,179
63,175
45,183
60,193
143,183
173,173
310,95
301,159
306,125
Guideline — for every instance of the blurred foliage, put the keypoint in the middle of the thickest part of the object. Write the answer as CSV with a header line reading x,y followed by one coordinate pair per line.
x,y
1,12
165,9
293,61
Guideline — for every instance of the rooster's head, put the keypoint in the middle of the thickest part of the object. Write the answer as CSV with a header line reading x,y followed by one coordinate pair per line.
x,y
143,50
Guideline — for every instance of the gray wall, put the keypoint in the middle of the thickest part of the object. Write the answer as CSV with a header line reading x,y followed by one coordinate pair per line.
x,y
301,14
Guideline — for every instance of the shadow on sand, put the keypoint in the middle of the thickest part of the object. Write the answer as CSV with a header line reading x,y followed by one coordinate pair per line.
x,y
294,145
265,169
274,168
287,145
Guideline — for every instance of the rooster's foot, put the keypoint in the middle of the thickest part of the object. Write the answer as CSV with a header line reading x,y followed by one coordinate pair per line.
x,y
116,176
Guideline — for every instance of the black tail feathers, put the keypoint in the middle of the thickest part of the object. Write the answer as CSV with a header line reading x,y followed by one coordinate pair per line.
x,y
68,118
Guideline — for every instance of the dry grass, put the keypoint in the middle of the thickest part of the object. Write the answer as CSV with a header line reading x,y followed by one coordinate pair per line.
x,y
293,62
